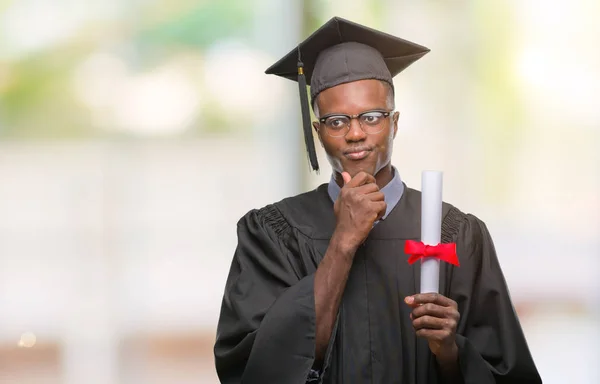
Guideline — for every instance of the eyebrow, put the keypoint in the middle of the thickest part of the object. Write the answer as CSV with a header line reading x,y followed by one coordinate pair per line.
x,y
347,114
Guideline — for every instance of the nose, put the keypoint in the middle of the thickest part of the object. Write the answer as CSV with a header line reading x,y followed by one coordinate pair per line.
x,y
355,132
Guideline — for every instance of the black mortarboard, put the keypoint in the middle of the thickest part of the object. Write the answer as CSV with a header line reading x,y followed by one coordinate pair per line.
x,y
340,52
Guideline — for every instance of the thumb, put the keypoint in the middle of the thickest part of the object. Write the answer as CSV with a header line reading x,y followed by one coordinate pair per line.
x,y
346,177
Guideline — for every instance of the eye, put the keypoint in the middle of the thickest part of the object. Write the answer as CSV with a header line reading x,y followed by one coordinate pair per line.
x,y
372,118
336,122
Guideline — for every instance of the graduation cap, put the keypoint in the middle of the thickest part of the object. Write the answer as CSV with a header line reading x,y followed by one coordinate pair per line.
x,y
339,52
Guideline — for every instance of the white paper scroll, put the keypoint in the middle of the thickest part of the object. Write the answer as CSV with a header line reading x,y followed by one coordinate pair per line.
x,y
431,227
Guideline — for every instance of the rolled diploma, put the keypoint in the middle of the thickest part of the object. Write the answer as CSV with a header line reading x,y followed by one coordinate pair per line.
x,y
431,227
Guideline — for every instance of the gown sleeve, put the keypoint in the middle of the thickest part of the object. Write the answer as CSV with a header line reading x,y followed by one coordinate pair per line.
x,y
266,329
492,346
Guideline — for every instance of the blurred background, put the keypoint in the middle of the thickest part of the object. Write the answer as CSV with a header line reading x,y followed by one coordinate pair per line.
x,y
134,134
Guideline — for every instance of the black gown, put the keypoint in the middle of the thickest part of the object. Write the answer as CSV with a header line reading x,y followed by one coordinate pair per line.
x,y
266,330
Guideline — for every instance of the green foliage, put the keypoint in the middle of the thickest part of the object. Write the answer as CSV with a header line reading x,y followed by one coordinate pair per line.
x,y
201,25
498,101
38,101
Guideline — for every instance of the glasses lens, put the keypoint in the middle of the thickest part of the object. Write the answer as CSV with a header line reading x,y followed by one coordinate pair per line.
x,y
337,125
372,122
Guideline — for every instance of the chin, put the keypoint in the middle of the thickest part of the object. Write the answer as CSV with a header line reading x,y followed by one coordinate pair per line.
x,y
355,168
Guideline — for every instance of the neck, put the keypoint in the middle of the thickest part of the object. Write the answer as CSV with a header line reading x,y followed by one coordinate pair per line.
x,y
382,178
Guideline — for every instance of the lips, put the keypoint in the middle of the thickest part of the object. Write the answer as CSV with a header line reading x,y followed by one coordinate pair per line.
x,y
357,153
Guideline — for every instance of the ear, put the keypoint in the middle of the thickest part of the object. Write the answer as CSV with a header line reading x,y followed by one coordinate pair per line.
x,y
395,119
316,126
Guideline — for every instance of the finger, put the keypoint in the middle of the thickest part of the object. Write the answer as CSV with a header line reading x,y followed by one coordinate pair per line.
x,y
367,189
380,207
361,178
431,309
423,298
346,176
430,322
439,335
376,196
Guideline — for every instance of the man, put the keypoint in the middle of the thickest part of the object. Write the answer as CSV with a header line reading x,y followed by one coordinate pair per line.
x,y
320,289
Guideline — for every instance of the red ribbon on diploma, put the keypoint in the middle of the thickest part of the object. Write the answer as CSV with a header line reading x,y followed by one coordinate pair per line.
x,y
418,250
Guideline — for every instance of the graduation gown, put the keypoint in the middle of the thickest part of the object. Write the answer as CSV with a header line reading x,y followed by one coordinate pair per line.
x,y
266,330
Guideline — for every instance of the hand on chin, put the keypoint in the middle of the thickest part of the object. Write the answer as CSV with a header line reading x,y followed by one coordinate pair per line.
x,y
355,168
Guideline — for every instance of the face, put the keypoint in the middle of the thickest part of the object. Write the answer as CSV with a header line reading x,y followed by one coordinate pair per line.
x,y
357,151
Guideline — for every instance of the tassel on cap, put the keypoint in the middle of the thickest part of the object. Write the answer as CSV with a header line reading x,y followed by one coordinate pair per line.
x,y
306,124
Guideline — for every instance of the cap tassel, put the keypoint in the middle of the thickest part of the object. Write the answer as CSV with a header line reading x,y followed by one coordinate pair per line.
x,y
306,124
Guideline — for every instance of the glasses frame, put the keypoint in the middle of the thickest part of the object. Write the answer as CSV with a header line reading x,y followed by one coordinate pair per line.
x,y
385,113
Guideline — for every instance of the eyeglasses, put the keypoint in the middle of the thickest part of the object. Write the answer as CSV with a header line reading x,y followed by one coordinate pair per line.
x,y
371,122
